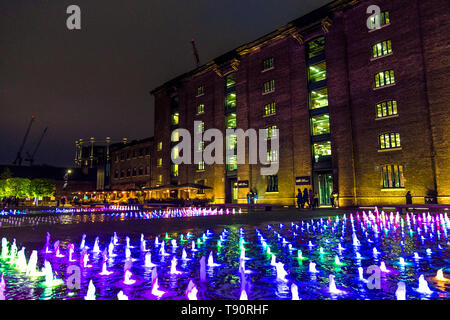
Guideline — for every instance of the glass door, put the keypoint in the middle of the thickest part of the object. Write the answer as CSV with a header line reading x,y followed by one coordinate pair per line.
x,y
325,187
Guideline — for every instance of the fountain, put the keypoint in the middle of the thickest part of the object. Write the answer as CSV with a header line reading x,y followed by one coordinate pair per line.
x,y
337,261
96,248
121,296
361,275
416,256
281,273
300,255
191,291
155,286
91,292
127,253
312,267
383,267
375,251
184,255
243,295
21,260
211,262
127,278
2,283
358,256
71,248
294,292
273,260
148,260
105,271
50,280
32,265
173,266
5,249
332,286
402,261
400,293
193,247
440,276
423,286
83,242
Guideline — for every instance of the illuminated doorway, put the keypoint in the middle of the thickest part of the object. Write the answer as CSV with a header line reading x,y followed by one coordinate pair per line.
x,y
324,186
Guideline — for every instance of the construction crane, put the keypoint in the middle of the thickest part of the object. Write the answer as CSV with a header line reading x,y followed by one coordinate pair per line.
x,y
197,59
30,158
18,160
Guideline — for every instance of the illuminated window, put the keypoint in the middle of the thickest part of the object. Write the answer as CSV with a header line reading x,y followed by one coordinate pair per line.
x,y
175,118
318,98
230,80
230,100
389,140
386,108
320,124
231,163
392,176
272,156
271,132
269,86
160,178
268,64
272,183
200,91
384,78
175,152
269,109
200,108
201,166
159,162
382,18
230,121
201,146
159,146
381,49
174,170
201,126
175,136
202,183
322,151
318,72
316,47
231,142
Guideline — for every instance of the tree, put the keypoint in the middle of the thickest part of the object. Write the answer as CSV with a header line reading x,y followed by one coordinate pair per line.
x,y
42,188
18,187
6,174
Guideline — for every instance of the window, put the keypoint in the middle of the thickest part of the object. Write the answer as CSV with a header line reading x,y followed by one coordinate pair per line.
x,y
175,152
386,108
392,176
201,146
200,108
318,98
147,151
269,86
320,124
122,173
160,178
383,21
128,155
175,118
116,157
322,151
231,163
175,136
271,132
269,109
201,166
141,171
272,156
201,126
159,162
174,170
230,80
316,47
272,183
381,49
122,156
147,170
318,72
116,174
268,64
230,100
202,183
389,140
159,146
128,172
384,78
230,121
134,172
134,153
200,91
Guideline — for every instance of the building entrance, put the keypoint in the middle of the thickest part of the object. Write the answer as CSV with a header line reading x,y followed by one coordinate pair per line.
x,y
323,184
231,191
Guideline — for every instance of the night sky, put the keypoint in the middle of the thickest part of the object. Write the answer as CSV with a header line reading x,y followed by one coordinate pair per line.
x,y
95,82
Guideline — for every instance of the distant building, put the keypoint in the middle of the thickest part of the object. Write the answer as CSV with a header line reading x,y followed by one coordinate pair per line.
x,y
361,111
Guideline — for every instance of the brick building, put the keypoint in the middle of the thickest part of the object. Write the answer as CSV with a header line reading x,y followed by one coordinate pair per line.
x,y
361,111
130,165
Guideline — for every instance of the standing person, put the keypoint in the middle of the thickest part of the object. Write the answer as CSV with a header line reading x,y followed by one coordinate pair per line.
x,y
332,199
408,197
311,199
316,200
299,199
305,197
255,197
249,196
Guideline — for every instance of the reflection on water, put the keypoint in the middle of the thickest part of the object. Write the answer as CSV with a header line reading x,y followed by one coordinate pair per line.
x,y
394,237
